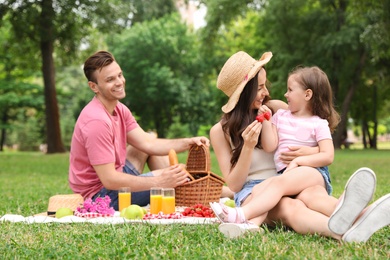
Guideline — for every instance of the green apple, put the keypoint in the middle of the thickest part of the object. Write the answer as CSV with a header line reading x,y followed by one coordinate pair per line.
x,y
134,212
145,211
230,203
122,214
63,212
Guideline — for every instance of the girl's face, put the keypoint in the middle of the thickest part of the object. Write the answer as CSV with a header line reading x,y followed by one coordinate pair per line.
x,y
297,97
262,90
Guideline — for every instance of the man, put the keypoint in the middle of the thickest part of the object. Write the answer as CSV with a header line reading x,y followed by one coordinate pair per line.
x,y
109,148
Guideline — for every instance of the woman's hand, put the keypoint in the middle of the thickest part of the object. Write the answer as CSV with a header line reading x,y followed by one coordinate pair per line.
x,y
291,165
251,134
296,151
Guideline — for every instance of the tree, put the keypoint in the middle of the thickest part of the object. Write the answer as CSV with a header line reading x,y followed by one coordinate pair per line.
x,y
54,23
328,34
164,74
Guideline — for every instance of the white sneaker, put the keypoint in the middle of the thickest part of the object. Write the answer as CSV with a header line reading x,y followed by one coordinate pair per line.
x,y
376,217
357,194
233,230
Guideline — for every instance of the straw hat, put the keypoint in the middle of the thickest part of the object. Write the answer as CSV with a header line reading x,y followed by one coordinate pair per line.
x,y
235,74
71,201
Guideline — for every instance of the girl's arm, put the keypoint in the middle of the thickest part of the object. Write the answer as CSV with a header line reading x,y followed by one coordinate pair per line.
x,y
323,158
269,135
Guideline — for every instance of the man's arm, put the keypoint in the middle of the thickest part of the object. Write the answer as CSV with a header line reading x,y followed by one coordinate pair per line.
x,y
158,146
111,179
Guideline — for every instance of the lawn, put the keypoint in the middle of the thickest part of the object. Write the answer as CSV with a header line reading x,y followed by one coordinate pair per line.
x,y
27,180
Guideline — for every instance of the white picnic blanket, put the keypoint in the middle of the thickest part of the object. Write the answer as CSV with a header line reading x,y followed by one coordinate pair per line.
x,y
116,219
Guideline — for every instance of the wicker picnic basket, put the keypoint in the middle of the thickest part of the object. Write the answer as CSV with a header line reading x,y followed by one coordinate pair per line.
x,y
206,186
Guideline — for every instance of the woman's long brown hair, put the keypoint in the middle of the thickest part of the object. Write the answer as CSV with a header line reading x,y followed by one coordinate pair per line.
x,y
235,122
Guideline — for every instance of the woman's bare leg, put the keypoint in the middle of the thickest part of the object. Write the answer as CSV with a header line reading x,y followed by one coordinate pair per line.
x,y
293,213
317,199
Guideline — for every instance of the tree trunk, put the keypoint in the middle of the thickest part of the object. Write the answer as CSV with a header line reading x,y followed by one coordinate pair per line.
x,y
373,143
53,131
338,135
4,120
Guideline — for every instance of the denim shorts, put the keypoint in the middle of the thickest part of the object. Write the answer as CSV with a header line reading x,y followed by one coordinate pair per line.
x,y
326,175
246,190
141,198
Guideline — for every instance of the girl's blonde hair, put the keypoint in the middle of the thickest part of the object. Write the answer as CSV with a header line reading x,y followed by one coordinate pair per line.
x,y
321,102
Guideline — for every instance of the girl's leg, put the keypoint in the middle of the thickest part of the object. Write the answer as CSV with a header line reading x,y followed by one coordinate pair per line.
x,y
267,194
293,213
257,220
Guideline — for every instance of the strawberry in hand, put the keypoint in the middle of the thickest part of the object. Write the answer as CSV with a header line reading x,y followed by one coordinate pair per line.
x,y
264,116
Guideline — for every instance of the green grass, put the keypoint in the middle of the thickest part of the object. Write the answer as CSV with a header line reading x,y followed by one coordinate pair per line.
x,y
27,180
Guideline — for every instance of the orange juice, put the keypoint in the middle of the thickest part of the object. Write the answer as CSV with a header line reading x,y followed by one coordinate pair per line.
x,y
168,205
155,204
124,199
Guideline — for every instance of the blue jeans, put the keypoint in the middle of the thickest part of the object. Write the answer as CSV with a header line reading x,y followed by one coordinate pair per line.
x,y
141,198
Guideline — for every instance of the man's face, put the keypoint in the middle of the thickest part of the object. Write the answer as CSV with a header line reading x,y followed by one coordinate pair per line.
x,y
110,83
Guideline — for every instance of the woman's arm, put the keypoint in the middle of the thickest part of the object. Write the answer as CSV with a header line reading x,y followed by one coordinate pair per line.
x,y
296,151
234,177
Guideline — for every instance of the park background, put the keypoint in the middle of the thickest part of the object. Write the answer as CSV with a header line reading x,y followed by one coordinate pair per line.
x,y
171,64
171,61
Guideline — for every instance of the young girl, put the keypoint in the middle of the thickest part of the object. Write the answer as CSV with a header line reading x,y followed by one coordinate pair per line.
x,y
309,121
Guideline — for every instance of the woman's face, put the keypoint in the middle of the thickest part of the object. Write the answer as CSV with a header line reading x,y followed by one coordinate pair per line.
x,y
262,90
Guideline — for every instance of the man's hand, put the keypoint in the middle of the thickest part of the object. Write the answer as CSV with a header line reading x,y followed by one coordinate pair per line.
x,y
172,176
199,140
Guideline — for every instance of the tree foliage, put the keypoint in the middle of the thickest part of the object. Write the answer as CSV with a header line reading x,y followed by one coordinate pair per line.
x,y
329,34
57,27
164,74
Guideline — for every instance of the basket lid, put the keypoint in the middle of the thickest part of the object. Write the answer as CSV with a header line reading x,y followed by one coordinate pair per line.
x,y
198,158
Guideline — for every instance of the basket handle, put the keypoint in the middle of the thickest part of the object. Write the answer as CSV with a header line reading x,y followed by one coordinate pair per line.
x,y
173,160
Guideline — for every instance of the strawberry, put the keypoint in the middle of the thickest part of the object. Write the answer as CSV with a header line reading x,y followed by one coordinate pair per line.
x,y
267,115
260,118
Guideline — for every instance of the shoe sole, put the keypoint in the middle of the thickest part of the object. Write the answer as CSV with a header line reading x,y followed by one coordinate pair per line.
x,y
376,217
358,193
232,230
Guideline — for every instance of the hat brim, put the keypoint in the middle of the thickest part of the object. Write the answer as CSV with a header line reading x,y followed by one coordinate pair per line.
x,y
71,201
233,99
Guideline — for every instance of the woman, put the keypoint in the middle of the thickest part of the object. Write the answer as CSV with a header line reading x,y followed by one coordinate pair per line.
x,y
236,142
